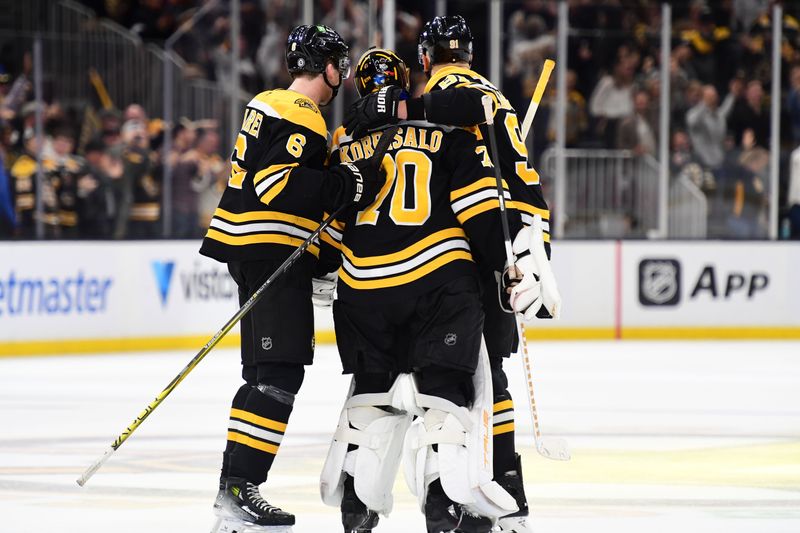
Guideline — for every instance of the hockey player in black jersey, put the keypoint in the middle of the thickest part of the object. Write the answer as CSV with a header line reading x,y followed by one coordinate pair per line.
x,y
453,97
277,194
409,304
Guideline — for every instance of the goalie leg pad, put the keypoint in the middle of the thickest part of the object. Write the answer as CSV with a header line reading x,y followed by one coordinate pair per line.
x,y
377,434
463,457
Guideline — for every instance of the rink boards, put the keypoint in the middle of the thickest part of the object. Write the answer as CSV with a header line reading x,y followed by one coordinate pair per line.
x,y
58,297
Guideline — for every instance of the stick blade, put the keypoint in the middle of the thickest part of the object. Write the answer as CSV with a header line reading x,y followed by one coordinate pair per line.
x,y
553,448
81,481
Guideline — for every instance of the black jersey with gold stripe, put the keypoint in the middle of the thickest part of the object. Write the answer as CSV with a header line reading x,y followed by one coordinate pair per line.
x,y
272,197
436,218
450,106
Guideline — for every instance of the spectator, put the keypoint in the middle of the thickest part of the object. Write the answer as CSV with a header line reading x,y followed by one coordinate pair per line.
x,y
746,12
24,186
707,122
737,210
750,113
95,198
793,200
185,220
136,192
793,103
612,100
7,215
683,162
706,40
63,170
681,152
213,175
577,120
637,132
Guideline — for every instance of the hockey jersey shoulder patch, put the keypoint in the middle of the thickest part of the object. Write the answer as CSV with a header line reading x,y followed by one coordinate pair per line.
x,y
293,107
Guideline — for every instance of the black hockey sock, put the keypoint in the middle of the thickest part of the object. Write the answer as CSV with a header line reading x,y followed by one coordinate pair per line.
x,y
238,404
257,430
503,431
254,434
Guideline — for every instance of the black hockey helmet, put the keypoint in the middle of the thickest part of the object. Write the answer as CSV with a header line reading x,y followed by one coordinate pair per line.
x,y
311,48
446,40
378,68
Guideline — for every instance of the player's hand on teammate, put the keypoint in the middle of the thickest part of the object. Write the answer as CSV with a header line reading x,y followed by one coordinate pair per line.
x,y
356,183
530,283
372,111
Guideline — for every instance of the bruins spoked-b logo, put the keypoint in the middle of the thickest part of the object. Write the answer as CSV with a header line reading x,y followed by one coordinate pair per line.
x,y
659,282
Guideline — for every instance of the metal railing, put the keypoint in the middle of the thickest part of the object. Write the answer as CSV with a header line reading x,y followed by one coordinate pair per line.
x,y
609,193
81,51
688,210
84,61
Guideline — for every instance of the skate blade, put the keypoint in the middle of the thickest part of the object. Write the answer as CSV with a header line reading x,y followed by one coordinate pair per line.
x,y
516,524
232,525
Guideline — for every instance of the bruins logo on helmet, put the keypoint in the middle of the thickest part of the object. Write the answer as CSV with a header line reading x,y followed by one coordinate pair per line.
x,y
378,68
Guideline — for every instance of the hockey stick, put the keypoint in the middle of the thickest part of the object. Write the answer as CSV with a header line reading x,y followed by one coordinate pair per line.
x,y
380,150
550,447
536,99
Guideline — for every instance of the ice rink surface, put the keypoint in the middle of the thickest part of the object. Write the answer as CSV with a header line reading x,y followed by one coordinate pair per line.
x,y
666,437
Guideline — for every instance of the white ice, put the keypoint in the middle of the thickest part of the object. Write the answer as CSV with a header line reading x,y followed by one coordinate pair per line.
x,y
666,437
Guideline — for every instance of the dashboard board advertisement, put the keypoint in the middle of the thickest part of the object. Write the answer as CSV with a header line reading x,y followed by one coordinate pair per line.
x,y
58,297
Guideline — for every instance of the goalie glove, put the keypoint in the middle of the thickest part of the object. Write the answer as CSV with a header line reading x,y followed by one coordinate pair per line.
x,y
536,291
323,289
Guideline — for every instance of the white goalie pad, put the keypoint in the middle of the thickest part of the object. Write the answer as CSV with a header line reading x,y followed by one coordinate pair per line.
x,y
378,434
463,438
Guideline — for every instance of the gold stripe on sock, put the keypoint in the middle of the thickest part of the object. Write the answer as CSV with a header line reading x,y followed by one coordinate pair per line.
x,y
502,406
503,428
258,420
252,443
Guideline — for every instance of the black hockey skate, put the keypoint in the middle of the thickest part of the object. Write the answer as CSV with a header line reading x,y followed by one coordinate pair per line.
x,y
356,518
241,509
443,515
512,482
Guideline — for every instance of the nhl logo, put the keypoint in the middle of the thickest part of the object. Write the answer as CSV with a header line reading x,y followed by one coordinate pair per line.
x,y
266,343
659,282
450,339
301,62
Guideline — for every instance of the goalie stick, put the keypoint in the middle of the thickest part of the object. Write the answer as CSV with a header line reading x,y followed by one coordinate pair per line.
x,y
536,99
380,150
550,447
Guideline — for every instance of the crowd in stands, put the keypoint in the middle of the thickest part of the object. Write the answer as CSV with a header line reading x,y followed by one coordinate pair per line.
x,y
99,174
105,166
720,79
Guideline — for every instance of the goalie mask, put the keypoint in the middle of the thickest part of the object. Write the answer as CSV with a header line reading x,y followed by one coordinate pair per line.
x,y
378,68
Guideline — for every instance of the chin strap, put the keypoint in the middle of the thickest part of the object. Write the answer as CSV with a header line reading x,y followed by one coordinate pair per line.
x,y
334,88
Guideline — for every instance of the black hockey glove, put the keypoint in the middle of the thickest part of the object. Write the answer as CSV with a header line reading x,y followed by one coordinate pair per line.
x,y
373,111
355,183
